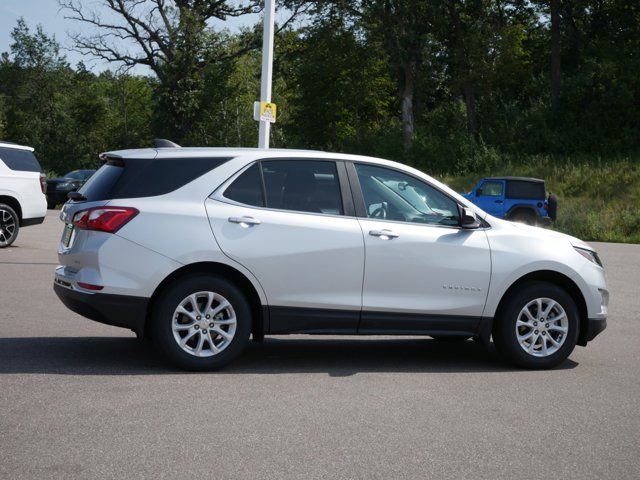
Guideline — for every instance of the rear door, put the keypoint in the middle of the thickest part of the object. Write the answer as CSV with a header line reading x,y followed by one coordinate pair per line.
x,y
292,224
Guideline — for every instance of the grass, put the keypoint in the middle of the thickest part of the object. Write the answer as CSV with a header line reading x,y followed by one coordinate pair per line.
x,y
598,200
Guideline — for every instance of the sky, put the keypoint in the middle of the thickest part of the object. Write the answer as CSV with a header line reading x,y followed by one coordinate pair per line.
x,y
48,14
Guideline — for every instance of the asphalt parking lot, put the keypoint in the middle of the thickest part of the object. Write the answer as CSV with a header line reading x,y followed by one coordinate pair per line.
x,y
83,400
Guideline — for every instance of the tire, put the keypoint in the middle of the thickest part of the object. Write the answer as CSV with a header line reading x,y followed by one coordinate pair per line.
x,y
181,292
450,338
536,355
552,207
9,225
523,216
51,204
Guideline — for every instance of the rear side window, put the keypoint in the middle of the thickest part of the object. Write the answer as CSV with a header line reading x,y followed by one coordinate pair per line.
x,y
524,189
296,185
135,178
302,186
22,160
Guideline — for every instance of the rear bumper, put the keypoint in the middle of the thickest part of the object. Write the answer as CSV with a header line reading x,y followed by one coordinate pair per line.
x,y
27,222
594,326
117,310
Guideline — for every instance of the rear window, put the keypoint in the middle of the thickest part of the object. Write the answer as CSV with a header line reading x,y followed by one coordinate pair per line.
x,y
524,189
22,160
135,178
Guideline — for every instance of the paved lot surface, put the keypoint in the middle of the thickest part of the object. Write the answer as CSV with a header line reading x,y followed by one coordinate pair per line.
x,y
82,400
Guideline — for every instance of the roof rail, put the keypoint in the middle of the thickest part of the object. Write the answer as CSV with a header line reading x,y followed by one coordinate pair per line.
x,y
163,143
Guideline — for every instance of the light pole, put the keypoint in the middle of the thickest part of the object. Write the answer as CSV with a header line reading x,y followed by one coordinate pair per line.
x,y
267,67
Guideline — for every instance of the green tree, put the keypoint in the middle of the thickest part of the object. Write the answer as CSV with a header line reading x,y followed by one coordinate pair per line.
x,y
171,38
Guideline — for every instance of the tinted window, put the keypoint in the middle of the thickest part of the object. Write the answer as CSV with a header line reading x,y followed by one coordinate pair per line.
x,y
492,189
247,188
79,174
524,189
135,178
303,186
393,195
23,160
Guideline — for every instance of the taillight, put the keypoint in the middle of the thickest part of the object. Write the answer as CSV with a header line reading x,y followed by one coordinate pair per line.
x,y
104,219
43,183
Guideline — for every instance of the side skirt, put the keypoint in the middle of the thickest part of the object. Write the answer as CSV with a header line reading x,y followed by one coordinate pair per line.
x,y
285,320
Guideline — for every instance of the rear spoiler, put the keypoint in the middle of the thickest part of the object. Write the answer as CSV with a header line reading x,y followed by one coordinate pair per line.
x,y
164,143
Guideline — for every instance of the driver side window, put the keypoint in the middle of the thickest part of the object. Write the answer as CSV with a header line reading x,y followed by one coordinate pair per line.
x,y
393,195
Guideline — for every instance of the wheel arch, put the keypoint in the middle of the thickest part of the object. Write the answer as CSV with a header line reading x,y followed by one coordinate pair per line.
x,y
558,279
259,312
522,207
13,203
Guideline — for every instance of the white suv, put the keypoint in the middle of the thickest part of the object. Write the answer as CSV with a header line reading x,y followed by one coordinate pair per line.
x,y
201,248
22,187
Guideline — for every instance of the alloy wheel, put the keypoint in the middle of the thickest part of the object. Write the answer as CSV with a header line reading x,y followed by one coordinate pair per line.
x,y
204,324
541,327
7,227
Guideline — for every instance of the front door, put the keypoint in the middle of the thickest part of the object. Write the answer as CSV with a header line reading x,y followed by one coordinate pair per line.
x,y
422,272
286,221
490,197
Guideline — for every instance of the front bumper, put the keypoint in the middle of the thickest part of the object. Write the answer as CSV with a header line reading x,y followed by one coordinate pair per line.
x,y
117,310
591,329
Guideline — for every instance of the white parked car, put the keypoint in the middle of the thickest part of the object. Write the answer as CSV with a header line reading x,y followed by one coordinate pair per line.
x,y
199,248
22,187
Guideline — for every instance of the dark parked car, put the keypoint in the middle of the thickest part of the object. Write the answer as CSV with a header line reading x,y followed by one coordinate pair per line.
x,y
58,188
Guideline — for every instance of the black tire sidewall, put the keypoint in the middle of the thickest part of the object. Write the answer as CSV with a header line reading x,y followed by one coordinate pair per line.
x,y
12,212
524,217
504,331
168,301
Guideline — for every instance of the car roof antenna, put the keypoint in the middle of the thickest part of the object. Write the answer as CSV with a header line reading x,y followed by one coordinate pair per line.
x,y
163,143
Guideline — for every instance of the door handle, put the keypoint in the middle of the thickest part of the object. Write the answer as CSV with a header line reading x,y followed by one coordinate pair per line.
x,y
498,201
245,221
384,234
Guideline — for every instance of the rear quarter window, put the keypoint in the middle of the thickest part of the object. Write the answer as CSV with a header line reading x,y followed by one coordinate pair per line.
x,y
136,178
20,160
525,190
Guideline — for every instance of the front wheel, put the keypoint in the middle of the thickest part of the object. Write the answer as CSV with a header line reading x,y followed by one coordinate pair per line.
x,y
537,327
9,225
201,322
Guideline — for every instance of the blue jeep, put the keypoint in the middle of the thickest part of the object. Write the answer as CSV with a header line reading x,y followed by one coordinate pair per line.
x,y
519,199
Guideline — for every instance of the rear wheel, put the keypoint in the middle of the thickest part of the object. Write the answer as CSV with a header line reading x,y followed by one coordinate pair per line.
x,y
9,225
202,322
537,327
523,216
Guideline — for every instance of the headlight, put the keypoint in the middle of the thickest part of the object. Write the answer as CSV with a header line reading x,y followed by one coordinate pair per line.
x,y
589,255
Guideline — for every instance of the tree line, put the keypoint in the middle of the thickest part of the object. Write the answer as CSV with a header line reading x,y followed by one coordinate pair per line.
x,y
448,86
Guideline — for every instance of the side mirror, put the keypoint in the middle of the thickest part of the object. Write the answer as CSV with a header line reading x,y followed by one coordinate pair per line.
x,y
478,192
469,219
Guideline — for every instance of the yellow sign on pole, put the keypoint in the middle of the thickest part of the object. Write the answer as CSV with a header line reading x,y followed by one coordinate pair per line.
x,y
268,112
